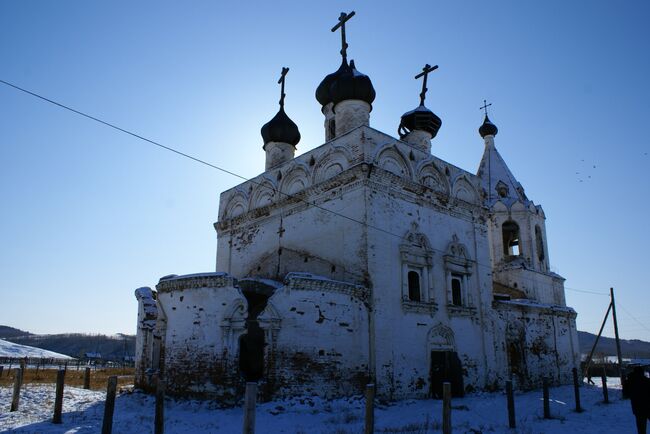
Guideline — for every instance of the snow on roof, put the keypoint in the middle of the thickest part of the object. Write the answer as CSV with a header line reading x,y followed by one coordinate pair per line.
x,y
9,349
186,276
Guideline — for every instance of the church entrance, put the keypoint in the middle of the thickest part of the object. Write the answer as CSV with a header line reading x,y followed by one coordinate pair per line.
x,y
446,367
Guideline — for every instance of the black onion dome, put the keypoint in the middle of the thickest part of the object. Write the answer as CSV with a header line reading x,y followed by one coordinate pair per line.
x,y
281,129
421,118
323,90
488,128
351,84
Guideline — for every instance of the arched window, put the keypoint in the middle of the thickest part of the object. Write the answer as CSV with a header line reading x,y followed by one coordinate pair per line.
x,y
539,242
414,286
510,233
331,126
456,290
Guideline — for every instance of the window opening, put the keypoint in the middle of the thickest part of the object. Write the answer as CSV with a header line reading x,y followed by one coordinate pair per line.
x,y
414,286
540,243
332,128
510,233
456,290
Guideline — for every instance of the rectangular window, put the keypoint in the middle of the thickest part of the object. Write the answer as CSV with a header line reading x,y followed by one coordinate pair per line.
x,y
456,290
414,286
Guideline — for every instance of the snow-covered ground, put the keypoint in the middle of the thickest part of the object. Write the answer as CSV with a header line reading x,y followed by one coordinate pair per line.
x,y
478,413
9,349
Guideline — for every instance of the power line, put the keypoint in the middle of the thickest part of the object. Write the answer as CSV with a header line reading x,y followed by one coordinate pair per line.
x,y
213,166
632,316
183,154
586,291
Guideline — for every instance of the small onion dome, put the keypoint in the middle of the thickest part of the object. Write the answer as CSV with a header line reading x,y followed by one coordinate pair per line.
x,y
488,128
323,90
420,119
281,129
351,84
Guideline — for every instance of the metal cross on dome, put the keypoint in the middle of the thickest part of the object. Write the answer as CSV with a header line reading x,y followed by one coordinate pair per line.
x,y
425,72
485,106
281,81
343,18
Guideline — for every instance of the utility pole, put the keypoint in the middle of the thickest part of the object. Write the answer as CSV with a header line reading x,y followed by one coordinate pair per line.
x,y
618,341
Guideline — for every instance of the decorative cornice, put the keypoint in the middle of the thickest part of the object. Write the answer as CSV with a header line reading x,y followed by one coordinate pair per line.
x,y
310,282
195,281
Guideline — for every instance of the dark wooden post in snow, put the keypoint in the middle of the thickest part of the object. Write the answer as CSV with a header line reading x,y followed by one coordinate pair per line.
x,y
18,382
605,392
87,378
370,409
109,406
511,405
576,389
159,420
1,369
446,408
58,400
249,408
547,407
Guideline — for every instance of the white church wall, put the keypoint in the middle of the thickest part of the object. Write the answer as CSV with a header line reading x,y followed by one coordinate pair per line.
x,y
402,329
540,341
321,345
205,314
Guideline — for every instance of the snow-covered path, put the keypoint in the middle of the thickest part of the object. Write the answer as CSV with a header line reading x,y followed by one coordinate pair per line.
x,y
477,413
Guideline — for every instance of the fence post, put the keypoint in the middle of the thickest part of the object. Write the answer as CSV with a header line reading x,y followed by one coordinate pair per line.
x,y
159,421
249,408
370,409
511,405
605,392
576,389
58,400
446,408
1,369
109,406
547,407
87,378
18,382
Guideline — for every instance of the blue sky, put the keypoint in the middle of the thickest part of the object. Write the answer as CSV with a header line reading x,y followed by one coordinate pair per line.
x,y
89,214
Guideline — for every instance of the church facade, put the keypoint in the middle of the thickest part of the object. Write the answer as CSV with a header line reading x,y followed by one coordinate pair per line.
x,y
365,259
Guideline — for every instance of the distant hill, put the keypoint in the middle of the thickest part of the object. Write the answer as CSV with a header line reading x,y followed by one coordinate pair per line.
x,y
74,344
633,348
10,332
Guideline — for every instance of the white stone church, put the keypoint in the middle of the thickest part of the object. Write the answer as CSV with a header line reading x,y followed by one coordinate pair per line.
x,y
365,259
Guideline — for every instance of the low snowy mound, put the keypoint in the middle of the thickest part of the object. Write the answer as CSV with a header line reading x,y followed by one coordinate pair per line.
x,y
9,349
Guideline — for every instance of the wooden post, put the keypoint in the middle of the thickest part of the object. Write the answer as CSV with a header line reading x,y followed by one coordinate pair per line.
x,y
370,409
1,369
446,408
18,382
109,406
249,408
58,400
159,420
23,364
576,389
605,392
600,332
511,405
547,407
87,378
618,341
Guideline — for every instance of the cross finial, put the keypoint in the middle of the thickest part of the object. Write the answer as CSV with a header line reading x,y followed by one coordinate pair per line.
x,y
343,18
425,72
485,106
281,81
